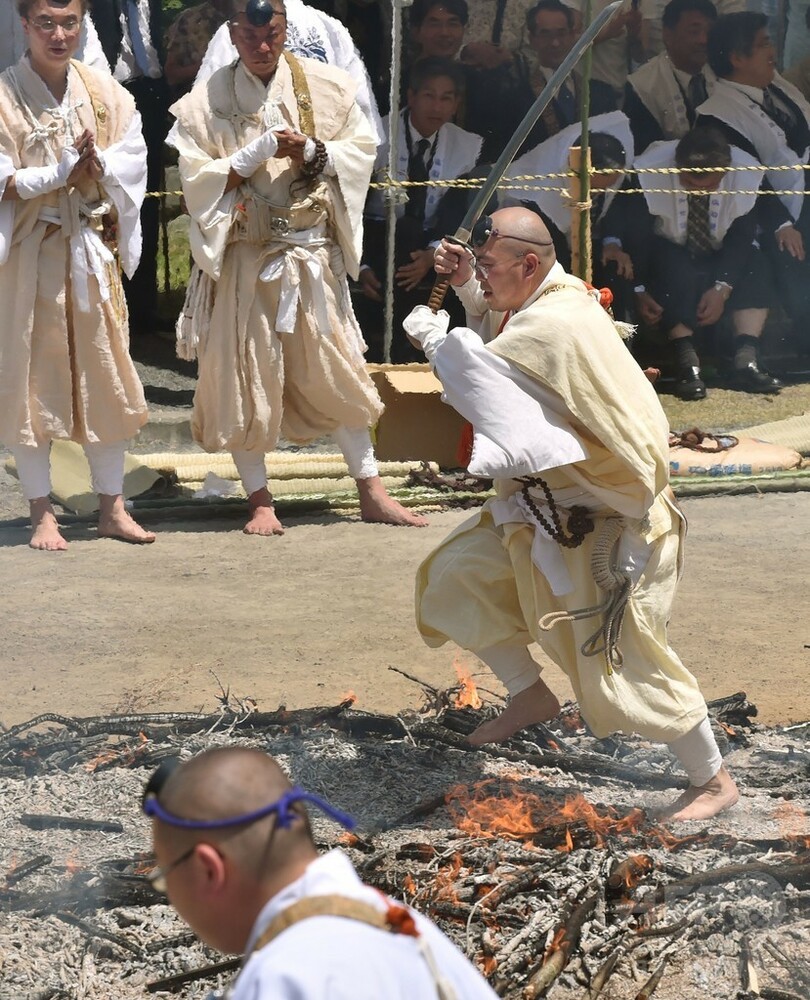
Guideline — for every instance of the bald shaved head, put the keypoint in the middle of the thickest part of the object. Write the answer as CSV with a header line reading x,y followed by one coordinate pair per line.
x,y
219,880
516,258
523,224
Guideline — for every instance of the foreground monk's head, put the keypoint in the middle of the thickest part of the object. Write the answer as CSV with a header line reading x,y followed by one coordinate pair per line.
x,y
513,262
52,29
219,879
259,32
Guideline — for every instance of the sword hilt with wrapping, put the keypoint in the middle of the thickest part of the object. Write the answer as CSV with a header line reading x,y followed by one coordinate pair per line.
x,y
440,285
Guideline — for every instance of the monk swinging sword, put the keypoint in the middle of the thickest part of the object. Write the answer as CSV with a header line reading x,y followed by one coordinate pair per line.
x,y
501,165
580,549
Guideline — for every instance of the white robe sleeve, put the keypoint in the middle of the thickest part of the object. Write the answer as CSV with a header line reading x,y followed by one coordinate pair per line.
x,y
220,52
90,51
352,158
6,208
347,58
124,183
516,431
211,209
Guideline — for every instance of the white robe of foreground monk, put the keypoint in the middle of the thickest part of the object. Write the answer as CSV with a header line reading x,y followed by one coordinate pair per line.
x,y
275,160
72,179
250,881
553,393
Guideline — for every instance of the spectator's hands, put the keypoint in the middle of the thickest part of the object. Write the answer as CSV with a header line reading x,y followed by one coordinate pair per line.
x,y
410,275
711,306
290,144
370,285
455,261
624,264
485,55
649,311
789,238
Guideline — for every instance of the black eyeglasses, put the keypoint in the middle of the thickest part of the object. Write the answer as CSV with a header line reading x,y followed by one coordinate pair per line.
x,y
484,230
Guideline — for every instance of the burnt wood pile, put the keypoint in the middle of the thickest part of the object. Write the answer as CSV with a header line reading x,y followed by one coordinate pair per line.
x,y
540,858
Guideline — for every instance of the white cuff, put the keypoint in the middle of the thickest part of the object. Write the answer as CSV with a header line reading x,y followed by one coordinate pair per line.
x,y
698,754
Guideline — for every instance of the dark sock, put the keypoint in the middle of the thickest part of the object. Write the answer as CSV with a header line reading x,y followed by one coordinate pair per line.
x,y
685,354
745,350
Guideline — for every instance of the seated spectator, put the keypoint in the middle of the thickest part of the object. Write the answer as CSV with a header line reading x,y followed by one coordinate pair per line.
x,y
552,34
652,12
703,261
767,117
188,38
236,858
616,46
487,106
430,147
612,219
661,98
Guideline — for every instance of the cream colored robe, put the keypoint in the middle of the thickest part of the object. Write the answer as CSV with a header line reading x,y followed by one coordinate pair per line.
x,y
65,369
282,351
481,588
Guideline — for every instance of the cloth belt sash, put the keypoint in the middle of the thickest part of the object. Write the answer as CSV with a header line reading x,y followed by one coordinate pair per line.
x,y
296,258
88,254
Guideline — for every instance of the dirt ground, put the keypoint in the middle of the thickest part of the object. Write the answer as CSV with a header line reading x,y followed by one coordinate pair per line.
x,y
327,609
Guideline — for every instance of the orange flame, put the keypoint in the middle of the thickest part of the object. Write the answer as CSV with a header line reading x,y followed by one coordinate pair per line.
x,y
516,814
468,696
409,885
349,697
71,862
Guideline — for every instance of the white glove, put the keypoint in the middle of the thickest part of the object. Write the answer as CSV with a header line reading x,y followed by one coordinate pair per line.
x,y
427,328
31,182
246,161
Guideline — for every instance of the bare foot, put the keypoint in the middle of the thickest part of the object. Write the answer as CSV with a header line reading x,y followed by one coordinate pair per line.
x,y
536,704
115,521
45,535
262,520
377,507
704,801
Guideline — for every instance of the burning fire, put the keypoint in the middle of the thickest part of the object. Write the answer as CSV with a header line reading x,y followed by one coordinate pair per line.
x,y
348,698
468,695
792,824
498,809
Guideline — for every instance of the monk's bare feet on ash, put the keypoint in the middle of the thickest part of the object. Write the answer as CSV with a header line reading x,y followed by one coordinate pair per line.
x,y
536,704
262,520
704,801
45,535
115,521
379,508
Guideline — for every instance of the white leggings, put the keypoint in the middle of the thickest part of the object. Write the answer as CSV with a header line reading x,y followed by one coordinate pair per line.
x,y
355,443
696,751
34,468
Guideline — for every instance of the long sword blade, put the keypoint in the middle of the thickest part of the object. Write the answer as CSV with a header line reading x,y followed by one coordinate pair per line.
x,y
501,165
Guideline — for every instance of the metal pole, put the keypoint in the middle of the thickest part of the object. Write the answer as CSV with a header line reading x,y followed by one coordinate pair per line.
x,y
393,195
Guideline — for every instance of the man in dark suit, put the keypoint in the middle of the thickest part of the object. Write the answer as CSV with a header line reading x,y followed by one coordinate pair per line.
x,y
761,113
131,33
552,34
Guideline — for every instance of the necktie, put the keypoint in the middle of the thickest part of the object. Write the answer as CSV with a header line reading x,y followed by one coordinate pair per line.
x,y
566,105
698,233
775,112
696,94
417,171
597,206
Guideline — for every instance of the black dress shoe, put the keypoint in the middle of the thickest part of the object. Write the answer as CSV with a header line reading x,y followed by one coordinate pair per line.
x,y
753,379
690,385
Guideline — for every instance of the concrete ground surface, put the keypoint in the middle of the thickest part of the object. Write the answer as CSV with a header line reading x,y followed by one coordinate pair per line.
x,y
305,618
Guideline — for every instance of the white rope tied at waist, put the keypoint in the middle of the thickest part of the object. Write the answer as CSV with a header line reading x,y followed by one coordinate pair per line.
x,y
297,257
88,253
